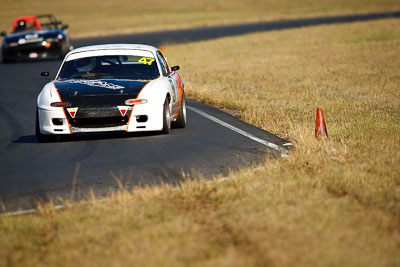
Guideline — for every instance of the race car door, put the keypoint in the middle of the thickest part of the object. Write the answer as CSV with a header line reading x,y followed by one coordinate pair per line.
x,y
172,80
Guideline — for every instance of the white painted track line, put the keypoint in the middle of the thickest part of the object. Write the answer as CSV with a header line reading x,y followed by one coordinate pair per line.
x,y
56,207
284,151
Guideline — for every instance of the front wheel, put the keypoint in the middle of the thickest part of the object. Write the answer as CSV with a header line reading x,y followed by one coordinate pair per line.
x,y
43,138
181,119
166,118
7,59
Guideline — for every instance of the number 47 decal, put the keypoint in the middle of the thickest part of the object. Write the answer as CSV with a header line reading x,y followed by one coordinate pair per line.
x,y
146,60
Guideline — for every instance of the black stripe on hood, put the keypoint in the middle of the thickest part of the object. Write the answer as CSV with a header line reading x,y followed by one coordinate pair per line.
x,y
98,93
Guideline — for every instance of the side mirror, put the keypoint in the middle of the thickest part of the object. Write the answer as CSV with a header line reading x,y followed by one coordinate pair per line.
x,y
65,26
2,34
45,74
175,68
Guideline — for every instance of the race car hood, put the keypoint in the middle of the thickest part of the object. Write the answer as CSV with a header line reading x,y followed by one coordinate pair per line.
x,y
38,35
98,93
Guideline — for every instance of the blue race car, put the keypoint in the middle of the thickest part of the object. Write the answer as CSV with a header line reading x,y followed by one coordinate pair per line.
x,y
36,37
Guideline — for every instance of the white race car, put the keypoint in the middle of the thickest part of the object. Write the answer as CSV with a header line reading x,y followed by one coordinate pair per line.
x,y
116,87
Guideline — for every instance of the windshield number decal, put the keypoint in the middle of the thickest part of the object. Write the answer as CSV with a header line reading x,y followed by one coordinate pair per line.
x,y
146,60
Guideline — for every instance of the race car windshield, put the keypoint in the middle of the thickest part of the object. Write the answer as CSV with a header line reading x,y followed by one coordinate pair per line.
x,y
111,67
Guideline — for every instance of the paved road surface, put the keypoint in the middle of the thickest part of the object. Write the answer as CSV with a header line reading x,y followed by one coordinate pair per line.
x,y
33,172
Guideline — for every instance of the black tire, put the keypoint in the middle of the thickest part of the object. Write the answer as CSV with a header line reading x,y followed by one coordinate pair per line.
x,y
43,138
181,119
61,55
166,118
7,60
63,52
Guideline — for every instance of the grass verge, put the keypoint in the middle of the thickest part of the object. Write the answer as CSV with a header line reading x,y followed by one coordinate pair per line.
x,y
333,203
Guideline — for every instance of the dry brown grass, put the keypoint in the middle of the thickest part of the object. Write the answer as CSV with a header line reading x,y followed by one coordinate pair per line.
x,y
333,203
91,18
277,81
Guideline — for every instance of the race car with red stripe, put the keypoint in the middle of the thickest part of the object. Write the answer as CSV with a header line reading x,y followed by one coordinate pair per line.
x,y
107,88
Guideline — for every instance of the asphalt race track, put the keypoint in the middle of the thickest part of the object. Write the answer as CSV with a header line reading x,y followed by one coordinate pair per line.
x,y
32,171
212,143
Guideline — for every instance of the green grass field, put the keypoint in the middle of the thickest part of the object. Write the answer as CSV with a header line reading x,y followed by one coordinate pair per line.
x,y
331,203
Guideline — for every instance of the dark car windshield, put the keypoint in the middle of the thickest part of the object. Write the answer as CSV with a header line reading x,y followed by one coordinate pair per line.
x,y
110,67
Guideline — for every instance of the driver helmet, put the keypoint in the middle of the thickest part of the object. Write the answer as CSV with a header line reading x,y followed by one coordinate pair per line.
x,y
21,25
85,64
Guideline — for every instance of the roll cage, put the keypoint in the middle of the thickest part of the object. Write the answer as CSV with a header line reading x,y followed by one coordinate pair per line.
x,y
39,22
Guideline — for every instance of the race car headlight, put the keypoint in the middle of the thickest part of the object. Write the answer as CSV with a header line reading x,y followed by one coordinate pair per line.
x,y
12,44
46,44
131,102
21,41
60,104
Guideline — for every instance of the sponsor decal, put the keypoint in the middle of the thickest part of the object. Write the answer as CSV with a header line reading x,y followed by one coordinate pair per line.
x,y
123,110
96,83
72,112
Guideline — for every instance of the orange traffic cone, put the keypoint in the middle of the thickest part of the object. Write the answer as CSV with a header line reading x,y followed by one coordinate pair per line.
x,y
320,127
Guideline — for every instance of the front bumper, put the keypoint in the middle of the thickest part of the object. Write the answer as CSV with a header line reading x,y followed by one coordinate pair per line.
x,y
141,118
32,51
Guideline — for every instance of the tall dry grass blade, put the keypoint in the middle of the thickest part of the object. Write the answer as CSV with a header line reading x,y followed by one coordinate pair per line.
x,y
118,180
3,207
75,180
